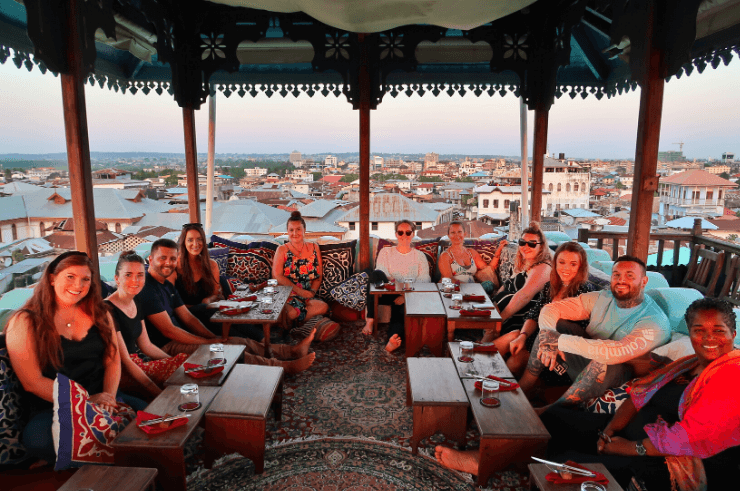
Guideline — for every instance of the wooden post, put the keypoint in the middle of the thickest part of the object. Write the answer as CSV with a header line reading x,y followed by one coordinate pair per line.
x,y
78,144
364,86
648,138
211,163
524,205
191,162
541,117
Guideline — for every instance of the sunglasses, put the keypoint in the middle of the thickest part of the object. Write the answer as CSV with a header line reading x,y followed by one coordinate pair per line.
x,y
193,225
408,233
530,243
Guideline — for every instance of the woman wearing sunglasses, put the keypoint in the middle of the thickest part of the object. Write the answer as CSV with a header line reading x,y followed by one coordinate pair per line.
x,y
517,295
399,263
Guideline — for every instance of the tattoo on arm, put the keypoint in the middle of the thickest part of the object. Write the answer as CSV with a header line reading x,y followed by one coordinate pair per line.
x,y
549,340
588,384
534,365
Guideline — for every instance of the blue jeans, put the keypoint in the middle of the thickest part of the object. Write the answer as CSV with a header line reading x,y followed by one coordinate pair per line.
x,y
36,436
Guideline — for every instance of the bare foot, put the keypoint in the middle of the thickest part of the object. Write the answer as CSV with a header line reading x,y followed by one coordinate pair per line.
x,y
368,329
466,461
301,349
296,366
488,336
393,343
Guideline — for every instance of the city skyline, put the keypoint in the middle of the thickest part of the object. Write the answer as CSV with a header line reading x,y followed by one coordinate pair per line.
x,y
703,111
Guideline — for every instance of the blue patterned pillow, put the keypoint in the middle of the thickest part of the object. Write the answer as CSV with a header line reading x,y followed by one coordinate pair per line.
x,y
11,449
221,256
353,292
338,260
609,401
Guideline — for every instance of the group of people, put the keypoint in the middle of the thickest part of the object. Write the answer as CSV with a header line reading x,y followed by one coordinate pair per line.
x,y
683,413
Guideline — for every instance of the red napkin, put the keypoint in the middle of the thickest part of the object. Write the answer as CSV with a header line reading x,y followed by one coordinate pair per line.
x,y
555,478
201,373
142,416
390,286
485,348
504,385
234,311
256,288
238,298
474,298
476,313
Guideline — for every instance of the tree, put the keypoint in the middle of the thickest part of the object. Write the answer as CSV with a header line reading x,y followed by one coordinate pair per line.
x,y
349,178
619,185
732,237
724,175
8,173
17,256
464,179
430,179
171,180
316,176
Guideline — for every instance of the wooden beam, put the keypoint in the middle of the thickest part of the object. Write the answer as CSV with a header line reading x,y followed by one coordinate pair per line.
x,y
541,118
592,55
191,163
364,86
78,144
210,175
648,138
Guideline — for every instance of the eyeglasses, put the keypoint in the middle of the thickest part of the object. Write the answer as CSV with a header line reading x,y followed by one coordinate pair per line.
x,y
193,225
408,233
530,243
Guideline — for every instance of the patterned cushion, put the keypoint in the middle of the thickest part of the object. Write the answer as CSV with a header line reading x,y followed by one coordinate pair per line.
x,y
353,292
340,313
338,263
486,248
11,450
609,401
506,266
221,256
233,283
232,246
250,263
83,431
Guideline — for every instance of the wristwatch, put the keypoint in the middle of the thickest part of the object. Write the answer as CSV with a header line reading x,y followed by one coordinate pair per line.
x,y
640,449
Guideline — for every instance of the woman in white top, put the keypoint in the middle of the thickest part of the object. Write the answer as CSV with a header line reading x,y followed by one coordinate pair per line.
x,y
399,263
460,263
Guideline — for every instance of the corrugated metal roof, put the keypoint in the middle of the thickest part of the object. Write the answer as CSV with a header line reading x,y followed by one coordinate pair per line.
x,y
386,207
579,213
318,209
12,207
246,217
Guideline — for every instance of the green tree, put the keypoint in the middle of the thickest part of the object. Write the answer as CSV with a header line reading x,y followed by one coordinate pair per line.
x,y
171,180
464,179
732,237
317,176
619,185
17,256
8,173
430,179
349,178
724,175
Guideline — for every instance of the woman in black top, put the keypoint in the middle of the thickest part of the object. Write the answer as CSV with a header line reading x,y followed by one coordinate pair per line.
x,y
64,328
142,361
198,276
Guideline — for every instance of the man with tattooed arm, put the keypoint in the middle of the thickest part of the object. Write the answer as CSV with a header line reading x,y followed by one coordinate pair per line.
x,y
624,327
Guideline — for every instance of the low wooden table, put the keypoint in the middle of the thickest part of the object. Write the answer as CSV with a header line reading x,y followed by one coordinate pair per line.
x,y
438,400
111,478
254,316
379,292
232,354
425,323
456,321
236,420
164,451
510,433
483,363
537,473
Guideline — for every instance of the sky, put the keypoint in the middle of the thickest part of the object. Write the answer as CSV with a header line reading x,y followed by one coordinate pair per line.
x,y
702,110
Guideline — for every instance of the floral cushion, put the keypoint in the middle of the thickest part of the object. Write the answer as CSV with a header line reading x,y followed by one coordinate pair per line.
x,y
338,265
82,431
221,256
11,450
250,263
353,292
609,401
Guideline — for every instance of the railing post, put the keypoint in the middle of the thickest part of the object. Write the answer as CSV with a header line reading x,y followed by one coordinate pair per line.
x,y
661,244
583,235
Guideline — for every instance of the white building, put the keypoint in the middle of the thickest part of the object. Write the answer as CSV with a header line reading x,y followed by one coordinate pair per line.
x,y
385,210
295,156
330,161
300,175
694,192
378,162
494,201
568,185
255,172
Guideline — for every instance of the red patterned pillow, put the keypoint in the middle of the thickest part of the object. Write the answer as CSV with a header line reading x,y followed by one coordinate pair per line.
x,y
252,266
486,248
338,260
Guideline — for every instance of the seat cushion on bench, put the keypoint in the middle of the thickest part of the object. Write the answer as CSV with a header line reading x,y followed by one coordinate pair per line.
x,y
221,256
11,450
338,261
674,302
352,293
250,263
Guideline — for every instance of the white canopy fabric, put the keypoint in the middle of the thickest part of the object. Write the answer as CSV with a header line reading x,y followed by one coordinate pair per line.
x,y
380,15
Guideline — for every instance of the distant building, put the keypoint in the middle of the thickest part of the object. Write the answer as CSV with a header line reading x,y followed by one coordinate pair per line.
x,y
718,169
568,185
671,156
330,161
295,156
431,158
728,157
255,172
385,210
378,162
694,192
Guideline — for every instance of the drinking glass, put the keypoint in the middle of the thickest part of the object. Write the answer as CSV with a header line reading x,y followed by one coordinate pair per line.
x,y
466,352
266,302
457,300
189,398
270,290
408,284
488,396
272,282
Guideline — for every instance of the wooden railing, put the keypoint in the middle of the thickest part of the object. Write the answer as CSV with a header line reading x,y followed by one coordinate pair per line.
x,y
687,239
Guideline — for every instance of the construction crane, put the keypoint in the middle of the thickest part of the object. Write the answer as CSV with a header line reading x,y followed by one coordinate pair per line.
x,y
680,146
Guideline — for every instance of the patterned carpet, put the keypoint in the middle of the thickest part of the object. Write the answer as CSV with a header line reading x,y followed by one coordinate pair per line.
x,y
356,392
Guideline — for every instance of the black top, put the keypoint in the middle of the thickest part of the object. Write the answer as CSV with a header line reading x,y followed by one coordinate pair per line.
x,y
191,299
154,298
82,361
130,328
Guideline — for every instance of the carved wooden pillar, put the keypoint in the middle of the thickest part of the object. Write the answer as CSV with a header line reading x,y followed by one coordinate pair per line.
x,y
78,144
541,116
364,99
648,137
191,162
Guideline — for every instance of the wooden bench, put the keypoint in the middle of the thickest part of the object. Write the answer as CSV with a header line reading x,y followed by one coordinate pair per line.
x,y
425,323
109,478
439,402
236,421
164,451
